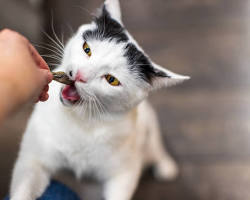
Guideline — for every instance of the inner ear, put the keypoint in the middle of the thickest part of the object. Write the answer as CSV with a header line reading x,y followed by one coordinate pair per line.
x,y
160,73
162,77
114,10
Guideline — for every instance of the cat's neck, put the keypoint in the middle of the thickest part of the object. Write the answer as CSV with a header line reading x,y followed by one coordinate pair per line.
x,y
92,122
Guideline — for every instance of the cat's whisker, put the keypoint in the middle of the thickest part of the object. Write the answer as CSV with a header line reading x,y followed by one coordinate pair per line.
x,y
84,107
76,107
62,37
54,33
91,106
95,104
99,108
101,105
54,47
80,105
96,110
102,108
49,49
70,28
52,40
87,107
85,10
56,60
93,111
97,113
52,56
53,64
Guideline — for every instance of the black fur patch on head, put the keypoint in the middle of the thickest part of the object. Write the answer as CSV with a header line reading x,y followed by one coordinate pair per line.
x,y
141,64
107,28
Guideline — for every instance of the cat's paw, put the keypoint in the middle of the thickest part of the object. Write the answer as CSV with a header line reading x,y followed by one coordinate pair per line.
x,y
20,196
15,198
166,170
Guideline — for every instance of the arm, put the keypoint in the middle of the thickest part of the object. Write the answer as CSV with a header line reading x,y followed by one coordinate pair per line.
x,y
24,75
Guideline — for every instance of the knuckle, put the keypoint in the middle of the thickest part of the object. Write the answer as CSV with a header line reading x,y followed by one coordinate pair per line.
x,y
6,30
12,35
9,32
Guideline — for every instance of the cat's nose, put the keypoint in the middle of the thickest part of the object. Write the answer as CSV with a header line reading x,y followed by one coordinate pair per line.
x,y
79,77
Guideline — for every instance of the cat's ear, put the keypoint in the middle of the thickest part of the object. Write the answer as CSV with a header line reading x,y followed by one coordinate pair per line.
x,y
165,78
113,8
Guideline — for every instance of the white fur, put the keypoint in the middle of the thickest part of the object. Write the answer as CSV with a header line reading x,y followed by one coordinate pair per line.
x,y
113,6
114,143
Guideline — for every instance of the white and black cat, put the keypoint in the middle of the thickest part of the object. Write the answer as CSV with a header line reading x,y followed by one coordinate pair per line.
x,y
102,125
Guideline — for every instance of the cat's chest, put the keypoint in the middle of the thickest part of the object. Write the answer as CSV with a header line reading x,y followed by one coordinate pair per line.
x,y
88,151
85,149
81,142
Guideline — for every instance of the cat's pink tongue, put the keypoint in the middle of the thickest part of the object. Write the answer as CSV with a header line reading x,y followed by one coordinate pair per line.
x,y
69,92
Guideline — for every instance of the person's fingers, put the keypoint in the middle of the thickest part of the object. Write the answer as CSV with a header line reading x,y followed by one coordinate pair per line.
x,y
39,73
50,76
43,79
37,58
45,91
46,75
46,88
8,33
44,97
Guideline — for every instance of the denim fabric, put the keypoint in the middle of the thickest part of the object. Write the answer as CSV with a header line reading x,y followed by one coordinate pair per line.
x,y
57,191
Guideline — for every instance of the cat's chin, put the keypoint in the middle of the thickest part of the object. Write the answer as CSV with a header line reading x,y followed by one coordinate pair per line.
x,y
66,102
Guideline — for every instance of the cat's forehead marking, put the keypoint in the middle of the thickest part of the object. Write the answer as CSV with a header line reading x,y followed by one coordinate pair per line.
x,y
139,63
108,29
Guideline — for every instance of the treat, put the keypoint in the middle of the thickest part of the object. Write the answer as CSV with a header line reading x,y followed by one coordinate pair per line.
x,y
62,77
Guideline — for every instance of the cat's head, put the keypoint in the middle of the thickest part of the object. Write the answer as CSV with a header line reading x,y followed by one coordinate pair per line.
x,y
111,71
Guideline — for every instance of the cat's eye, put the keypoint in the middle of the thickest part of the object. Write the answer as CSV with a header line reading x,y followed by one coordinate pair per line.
x,y
112,80
87,49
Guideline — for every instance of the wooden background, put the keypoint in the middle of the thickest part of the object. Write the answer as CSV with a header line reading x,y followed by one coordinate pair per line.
x,y
205,121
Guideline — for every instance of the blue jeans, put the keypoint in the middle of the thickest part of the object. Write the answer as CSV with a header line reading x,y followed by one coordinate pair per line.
x,y
57,191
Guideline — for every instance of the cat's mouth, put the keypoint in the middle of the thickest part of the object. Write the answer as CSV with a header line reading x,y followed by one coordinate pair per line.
x,y
70,94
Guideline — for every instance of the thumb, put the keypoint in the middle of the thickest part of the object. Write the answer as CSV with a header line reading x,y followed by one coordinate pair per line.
x,y
45,77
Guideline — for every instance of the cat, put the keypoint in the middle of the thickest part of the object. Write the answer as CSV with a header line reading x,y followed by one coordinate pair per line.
x,y
102,125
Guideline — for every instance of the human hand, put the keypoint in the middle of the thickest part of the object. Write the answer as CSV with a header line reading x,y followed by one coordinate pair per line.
x,y
22,68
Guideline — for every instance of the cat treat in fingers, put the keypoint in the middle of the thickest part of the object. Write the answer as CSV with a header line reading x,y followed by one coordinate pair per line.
x,y
102,125
62,77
